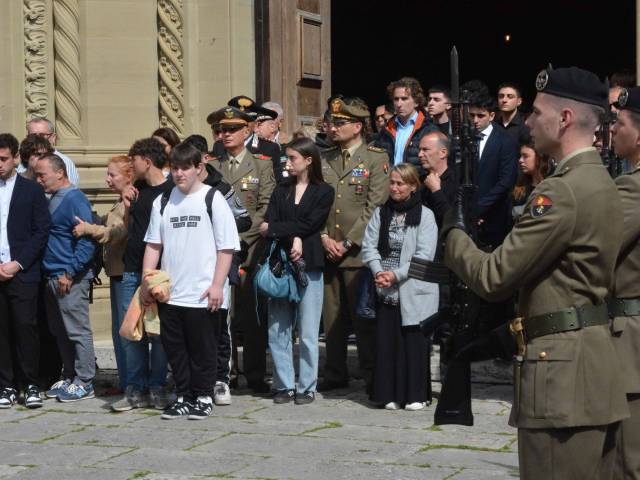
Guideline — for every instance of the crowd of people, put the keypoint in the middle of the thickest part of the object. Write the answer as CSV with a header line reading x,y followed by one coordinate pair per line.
x,y
264,242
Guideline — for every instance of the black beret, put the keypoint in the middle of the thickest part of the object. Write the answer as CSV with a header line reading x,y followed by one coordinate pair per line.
x,y
629,99
573,83
228,116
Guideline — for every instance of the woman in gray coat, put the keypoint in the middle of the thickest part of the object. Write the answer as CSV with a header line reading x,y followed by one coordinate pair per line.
x,y
399,230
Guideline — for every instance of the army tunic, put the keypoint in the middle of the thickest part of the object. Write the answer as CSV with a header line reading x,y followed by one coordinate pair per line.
x,y
360,188
253,181
561,253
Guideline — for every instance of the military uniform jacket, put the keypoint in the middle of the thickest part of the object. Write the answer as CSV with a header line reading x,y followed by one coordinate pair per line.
x,y
626,330
253,182
360,188
561,253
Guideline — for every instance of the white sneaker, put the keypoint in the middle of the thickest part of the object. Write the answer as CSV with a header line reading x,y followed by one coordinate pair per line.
x,y
392,406
415,406
221,394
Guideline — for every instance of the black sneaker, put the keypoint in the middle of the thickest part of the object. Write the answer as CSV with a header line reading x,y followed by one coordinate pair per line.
x,y
32,398
7,397
283,396
200,410
305,398
176,410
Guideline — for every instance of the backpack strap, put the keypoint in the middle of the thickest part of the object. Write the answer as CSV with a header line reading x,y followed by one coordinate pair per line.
x,y
208,200
164,200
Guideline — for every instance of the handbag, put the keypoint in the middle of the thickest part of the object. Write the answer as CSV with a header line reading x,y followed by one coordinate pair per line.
x,y
365,295
281,285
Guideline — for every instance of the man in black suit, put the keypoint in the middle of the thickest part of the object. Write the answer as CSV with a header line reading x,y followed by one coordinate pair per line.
x,y
24,229
253,143
496,172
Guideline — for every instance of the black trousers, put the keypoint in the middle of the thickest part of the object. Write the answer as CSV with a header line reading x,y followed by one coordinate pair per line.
x,y
402,372
19,339
190,338
224,349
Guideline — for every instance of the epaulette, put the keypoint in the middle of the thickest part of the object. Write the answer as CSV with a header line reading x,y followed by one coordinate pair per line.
x,y
376,149
260,156
561,172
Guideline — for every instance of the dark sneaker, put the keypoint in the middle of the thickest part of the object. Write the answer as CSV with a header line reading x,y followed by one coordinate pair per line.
x,y
132,399
57,388
283,396
74,393
8,397
177,410
304,398
32,398
201,410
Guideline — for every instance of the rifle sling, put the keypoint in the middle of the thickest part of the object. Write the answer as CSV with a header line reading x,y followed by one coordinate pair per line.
x,y
624,307
566,320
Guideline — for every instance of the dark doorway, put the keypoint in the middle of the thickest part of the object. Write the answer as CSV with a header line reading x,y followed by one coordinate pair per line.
x,y
375,41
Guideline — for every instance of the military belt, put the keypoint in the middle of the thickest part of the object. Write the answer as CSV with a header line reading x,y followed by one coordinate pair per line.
x,y
624,307
566,320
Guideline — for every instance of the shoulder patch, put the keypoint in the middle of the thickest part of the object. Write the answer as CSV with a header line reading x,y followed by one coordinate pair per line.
x,y
376,149
540,205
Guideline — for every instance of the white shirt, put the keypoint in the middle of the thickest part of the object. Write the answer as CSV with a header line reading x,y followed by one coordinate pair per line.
x,y
6,191
484,135
72,171
190,243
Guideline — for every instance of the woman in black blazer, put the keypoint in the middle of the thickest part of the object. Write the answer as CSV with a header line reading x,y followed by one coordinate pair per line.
x,y
296,215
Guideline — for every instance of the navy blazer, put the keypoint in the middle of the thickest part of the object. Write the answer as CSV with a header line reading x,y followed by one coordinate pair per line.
x,y
28,227
496,175
306,221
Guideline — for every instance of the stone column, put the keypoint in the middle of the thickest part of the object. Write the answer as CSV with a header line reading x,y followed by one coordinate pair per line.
x,y
36,95
171,65
66,43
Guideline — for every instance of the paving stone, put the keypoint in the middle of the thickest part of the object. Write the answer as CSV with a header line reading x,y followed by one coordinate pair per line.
x,y
463,458
15,453
10,471
72,473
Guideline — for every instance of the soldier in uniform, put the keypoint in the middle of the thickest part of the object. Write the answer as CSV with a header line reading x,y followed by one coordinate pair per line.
x,y
624,307
251,176
359,175
561,255
253,143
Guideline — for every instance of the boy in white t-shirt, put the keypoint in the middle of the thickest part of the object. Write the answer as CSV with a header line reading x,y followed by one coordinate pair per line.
x,y
196,250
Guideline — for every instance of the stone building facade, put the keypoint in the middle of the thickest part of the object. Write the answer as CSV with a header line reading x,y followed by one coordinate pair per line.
x,y
108,72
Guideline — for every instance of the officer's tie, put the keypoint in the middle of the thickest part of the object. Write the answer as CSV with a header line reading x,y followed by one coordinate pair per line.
x,y
346,156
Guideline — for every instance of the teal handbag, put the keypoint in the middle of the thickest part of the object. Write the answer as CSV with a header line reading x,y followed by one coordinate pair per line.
x,y
282,286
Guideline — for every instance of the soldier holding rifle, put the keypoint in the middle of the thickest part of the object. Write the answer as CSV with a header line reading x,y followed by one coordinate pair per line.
x,y
561,255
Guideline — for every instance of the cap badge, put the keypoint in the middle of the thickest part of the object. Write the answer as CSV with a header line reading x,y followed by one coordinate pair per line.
x,y
541,80
228,113
244,103
335,106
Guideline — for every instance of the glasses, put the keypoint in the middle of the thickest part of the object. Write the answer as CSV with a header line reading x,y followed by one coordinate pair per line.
x,y
233,129
339,123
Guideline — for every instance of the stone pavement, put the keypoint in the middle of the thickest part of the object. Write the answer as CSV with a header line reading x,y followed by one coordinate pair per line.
x,y
339,436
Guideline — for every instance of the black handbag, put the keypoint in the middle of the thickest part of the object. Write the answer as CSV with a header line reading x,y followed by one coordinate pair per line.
x,y
366,295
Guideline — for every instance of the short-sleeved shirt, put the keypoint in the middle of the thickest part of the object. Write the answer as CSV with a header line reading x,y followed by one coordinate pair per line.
x,y
190,243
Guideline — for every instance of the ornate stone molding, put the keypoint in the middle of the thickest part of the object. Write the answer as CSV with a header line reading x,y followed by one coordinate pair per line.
x,y
171,65
66,43
36,98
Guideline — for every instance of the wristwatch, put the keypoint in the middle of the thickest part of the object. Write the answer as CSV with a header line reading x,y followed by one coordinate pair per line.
x,y
347,244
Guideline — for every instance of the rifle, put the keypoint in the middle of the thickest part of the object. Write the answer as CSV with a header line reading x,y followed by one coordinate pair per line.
x,y
612,163
463,310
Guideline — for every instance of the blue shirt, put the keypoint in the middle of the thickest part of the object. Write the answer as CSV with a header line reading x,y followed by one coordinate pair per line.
x,y
403,134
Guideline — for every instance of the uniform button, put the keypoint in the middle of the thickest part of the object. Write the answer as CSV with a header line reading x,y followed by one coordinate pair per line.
x,y
339,195
542,355
337,210
337,226
341,182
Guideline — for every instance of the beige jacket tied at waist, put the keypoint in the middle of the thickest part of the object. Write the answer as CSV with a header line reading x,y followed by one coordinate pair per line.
x,y
140,319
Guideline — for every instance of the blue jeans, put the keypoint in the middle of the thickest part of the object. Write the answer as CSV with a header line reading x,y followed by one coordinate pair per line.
x,y
144,370
115,288
283,316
